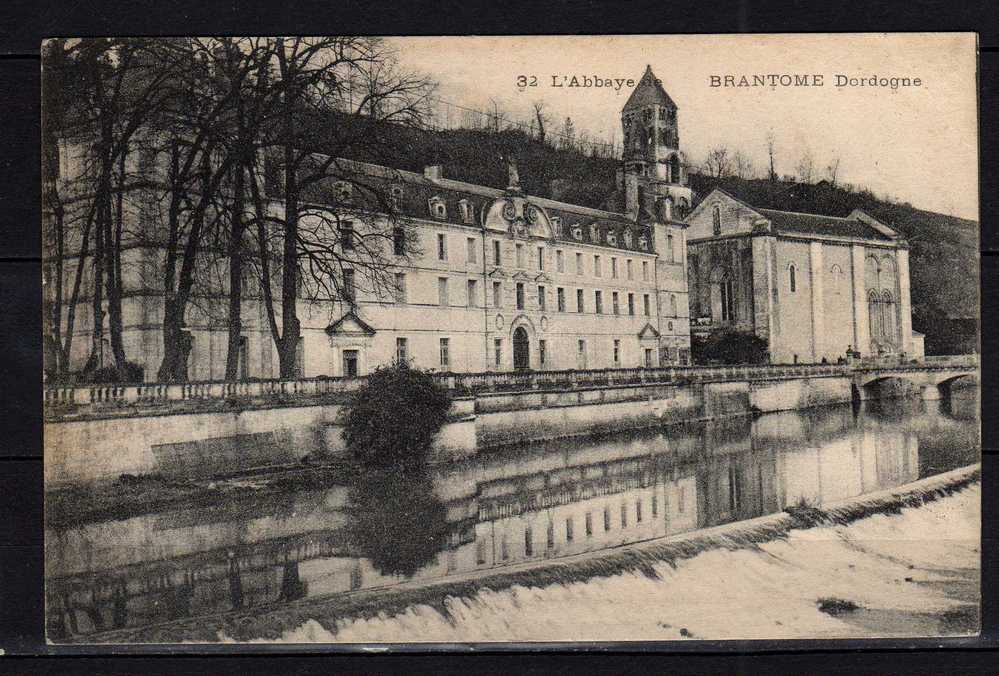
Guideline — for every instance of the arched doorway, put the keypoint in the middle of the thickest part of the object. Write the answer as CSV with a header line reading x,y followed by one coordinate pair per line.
x,y
521,349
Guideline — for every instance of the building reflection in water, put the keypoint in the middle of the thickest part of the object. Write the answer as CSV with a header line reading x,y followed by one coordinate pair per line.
x,y
497,510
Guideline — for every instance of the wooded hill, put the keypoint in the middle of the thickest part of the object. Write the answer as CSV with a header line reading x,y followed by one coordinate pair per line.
x,y
944,266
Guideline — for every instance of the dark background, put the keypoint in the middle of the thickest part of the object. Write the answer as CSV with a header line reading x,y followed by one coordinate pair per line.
x,y
23,25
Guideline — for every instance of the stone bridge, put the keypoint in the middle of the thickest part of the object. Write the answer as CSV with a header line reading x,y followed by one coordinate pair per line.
x,y
933,378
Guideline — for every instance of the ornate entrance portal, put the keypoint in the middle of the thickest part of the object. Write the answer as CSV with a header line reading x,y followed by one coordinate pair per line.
x,y
521,349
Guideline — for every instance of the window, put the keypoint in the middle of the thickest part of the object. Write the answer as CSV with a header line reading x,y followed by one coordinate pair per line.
x,y
445,353
520,295
400,287
672,305
631,304
581,353
598,298
613,268
597,272
398,241
497,294
568,529
579,264
628,269
624,515
716,220
473,255
498,351
559,260
480,552
589,524
645,271
473,296
442,295
669,248
579,301
727,299
497,258
791,277
350,363
541,298
520,255
560,299
349,292
542,352
541,258
646,304
655,505
607,523
617,352
638,511
614,303
528,542
681,499
648,357
550,539
437,208
441,246
465,209
347,235
401,350
504,548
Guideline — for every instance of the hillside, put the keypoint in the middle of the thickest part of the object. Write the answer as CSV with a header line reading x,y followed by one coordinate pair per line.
x,y
943,259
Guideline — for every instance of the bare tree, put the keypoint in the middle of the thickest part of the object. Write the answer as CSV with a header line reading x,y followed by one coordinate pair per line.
x,y
742,165
718,162
567,135
541,119
771,142
832,170
805,167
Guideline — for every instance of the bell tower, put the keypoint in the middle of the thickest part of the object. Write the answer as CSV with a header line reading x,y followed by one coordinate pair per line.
x,y
653,163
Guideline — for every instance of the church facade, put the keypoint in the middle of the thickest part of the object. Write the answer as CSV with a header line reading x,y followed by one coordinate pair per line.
x,y
813,287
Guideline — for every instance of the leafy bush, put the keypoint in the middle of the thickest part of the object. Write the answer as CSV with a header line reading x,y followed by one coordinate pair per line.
x,y
393,419
729,347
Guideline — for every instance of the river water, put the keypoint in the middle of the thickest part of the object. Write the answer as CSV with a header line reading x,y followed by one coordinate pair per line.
x,y
357,544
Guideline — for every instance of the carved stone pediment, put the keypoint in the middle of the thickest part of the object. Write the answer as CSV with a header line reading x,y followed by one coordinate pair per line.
x,y
542,278
497,273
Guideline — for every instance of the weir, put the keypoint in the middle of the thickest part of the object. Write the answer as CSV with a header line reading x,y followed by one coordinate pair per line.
x,y
201,430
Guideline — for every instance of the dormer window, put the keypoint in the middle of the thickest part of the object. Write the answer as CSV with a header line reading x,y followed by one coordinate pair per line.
x,y
594,233
627,238
577,233
343,191
556,222
643,243
466,211
612,238
438,209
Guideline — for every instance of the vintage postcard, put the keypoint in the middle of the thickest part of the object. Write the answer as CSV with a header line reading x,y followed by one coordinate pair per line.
x,y
511,339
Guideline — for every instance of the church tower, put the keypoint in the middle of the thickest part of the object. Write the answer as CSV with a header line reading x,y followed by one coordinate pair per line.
x,y
654,175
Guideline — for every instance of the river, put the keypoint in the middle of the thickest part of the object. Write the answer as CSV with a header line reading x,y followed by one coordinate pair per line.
x,y
517,510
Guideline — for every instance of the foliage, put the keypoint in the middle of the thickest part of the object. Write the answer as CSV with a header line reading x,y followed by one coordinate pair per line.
x,y
392,420
728,347
399,524
131,373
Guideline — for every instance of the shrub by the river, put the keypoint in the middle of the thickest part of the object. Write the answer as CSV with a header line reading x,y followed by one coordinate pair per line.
x,y
393,419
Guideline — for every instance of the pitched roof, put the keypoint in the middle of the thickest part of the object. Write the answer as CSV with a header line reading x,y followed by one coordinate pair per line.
x,y
350,324
817,224
648,92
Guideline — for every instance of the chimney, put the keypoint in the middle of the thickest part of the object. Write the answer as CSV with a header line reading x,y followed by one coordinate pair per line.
x,y
434,172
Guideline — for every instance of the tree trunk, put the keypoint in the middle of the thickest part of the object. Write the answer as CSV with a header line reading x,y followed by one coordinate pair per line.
x,y
113,274
237,229
290,326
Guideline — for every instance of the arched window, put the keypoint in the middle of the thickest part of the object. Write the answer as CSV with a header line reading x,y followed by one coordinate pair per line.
x,y
674,169
874,316
672,305
669,248
792,277
888,323
716,220
727,299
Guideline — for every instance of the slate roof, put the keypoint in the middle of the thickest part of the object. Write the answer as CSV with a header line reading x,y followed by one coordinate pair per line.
x,y
816,224
649,92
418,189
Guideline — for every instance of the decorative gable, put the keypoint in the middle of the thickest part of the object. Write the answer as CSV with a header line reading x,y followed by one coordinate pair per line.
x,y
648,332
350,325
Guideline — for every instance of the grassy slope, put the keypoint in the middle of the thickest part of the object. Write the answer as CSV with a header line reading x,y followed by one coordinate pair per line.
x,y
943,259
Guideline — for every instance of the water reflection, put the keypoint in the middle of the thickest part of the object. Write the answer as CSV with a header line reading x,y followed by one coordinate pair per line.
x,y
468,518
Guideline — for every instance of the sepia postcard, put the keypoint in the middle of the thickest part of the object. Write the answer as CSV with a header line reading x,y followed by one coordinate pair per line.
x,y
355,340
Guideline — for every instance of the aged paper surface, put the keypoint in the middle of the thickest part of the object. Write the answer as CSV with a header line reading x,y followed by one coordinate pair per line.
x,y
605,338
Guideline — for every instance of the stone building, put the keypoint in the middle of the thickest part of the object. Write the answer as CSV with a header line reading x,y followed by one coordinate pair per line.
x,y
811,286
499,279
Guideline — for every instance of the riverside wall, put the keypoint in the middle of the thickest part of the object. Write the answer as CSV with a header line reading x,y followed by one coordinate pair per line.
x,y
202,444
